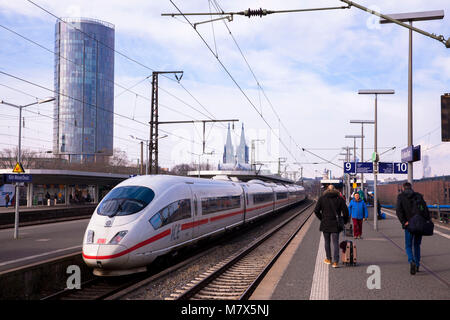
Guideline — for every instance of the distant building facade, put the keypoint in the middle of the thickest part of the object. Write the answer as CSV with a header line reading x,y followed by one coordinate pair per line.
x,y
84,79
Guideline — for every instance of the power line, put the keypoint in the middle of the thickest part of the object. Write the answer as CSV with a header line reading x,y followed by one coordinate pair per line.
x,y
110,48
233,79
108,80
115,113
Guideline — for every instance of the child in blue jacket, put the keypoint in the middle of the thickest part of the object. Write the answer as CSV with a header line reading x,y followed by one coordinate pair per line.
x,y
358,211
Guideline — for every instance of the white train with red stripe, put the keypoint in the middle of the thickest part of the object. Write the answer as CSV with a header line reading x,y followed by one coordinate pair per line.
x,y
148,216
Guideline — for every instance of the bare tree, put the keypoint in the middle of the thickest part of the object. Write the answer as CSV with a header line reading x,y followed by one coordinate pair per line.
x,y
8,158
119,158
182,169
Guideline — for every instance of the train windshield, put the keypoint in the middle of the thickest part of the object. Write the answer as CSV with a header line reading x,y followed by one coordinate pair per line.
x,y
124,201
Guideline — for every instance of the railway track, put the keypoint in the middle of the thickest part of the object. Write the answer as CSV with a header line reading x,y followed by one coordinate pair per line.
x,y
237,277
101,288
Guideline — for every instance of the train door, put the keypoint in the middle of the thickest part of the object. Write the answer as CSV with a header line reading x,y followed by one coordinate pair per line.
x,y
245,199
200,223
183,231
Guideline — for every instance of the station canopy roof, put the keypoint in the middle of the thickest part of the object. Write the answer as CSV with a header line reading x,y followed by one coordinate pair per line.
x,y
244,175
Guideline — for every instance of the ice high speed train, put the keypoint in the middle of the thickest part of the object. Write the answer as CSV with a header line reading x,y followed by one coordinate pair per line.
x,y
148,216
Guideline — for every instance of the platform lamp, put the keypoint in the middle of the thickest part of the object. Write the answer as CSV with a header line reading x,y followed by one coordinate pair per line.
x,y
362,122
20,107
375,157
410,17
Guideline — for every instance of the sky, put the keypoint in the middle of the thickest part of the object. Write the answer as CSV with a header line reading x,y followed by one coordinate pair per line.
x,y
291,79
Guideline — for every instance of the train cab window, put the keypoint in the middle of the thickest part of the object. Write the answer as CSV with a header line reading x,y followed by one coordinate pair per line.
x,y
126,200
175,211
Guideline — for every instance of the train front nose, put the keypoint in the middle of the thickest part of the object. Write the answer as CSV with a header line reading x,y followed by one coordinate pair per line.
x,y
105,256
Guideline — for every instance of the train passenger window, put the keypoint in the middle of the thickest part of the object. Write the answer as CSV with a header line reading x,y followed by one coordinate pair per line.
x,y
126,200
156,221
282,195
216,204
175,211
262,197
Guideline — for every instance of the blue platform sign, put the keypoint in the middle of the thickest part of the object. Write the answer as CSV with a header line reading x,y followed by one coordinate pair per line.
x,y
393,167
364,167
401,167
349,167
18,177
385,167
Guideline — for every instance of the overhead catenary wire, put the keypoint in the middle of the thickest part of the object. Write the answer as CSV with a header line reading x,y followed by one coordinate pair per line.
x,y
125,89
238,86
115,113
231,76
219,9
120,53
116,51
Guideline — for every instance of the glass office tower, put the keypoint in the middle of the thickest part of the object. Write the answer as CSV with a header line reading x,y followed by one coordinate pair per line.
x,y
84,79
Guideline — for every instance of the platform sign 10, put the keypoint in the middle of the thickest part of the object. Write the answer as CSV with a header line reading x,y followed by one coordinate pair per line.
x,y
393,167
401,167
349,167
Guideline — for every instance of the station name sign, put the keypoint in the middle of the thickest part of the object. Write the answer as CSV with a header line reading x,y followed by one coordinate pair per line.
x,y
411,154
17,178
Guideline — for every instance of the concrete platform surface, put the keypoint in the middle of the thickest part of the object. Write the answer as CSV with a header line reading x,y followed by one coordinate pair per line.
x,y
382,272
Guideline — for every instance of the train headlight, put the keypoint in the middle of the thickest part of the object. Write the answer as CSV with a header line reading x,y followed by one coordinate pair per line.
x,y
90,237
118,237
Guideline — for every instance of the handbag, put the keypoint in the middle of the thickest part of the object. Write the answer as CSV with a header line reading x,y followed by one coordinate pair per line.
x,y
420,226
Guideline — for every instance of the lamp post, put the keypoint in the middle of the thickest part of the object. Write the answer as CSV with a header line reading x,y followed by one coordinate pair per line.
x,y
254,152
147,148
199,155
375,157
410,17
362,122
354,137
16,216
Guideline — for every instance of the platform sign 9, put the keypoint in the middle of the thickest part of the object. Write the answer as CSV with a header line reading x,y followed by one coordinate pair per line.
x,y
349,167
401,167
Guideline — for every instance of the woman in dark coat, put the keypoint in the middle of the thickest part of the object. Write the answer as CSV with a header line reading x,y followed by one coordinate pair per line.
x,y
329,206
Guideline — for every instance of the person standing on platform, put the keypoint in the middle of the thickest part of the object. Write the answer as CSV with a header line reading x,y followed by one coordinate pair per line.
x,y
358,212
7,200
405,202
361,195
329,207
380,216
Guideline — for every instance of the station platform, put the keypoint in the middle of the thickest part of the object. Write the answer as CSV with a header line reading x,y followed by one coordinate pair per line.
x,y
40,242
382,271
45,214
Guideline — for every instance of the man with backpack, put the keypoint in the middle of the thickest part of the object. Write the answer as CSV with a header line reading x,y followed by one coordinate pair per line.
x,y
409,205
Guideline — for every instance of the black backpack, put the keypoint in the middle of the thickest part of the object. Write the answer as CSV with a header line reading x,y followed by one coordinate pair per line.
x,y
420,223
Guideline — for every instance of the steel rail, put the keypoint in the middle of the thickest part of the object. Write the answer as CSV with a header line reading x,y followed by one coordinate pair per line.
x,y
203,283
